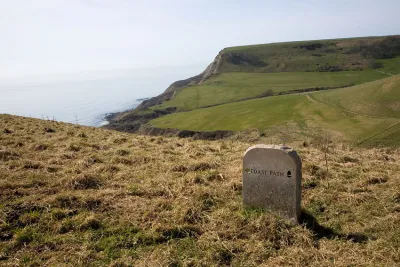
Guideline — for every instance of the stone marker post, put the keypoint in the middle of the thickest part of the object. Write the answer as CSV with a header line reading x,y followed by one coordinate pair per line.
x,y
272,180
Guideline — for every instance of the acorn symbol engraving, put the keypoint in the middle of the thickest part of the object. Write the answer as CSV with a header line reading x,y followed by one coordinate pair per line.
x,y
289,174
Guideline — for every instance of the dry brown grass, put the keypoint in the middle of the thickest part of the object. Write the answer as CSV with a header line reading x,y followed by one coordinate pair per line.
x,y
79,196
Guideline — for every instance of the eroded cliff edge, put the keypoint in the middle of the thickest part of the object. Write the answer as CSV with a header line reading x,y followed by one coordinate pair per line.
x,y
135,120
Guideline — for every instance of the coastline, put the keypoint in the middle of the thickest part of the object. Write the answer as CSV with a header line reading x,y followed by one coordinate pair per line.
x,y
109,116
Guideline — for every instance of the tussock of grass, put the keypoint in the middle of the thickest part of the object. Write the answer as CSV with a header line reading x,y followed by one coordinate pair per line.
x,y
32,165
122,152
49,130
7,131
8,155
41,147
85,182
377,180
201,166
116,199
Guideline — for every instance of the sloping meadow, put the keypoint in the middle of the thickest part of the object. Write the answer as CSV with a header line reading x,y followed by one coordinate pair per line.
x,y
81,196
368,112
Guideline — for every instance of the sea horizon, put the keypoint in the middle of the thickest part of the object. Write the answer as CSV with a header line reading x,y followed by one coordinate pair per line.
x,y
87,98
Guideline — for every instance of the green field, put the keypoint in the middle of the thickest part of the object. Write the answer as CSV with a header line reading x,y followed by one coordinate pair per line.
x,y
391,65
230,87
357,112
379,98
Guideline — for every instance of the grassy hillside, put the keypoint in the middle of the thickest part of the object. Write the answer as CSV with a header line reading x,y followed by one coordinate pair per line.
x,y
317,55
357,112
379,98
256,71
249,71
81,196
230,87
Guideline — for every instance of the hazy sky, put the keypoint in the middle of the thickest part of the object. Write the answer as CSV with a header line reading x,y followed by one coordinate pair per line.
x,y
70,36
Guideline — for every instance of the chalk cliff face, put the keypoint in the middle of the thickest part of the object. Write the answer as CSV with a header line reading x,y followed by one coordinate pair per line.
x,y
212,69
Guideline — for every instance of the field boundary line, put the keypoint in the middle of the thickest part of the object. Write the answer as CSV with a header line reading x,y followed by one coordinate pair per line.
x,y
384,72
375,135
345,110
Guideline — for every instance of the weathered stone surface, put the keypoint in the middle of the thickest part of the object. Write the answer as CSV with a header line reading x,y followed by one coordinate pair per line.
x,y
272,180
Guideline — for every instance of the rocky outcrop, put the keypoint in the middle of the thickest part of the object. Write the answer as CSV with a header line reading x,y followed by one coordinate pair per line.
x,y
133,121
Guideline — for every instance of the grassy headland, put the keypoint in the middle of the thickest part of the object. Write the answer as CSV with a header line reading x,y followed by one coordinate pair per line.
x,y
257,86
82,196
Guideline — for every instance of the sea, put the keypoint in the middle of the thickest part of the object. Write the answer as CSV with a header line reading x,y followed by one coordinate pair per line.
x,y
86,98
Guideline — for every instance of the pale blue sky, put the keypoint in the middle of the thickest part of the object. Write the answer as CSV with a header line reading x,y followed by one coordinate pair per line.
x,y
71,36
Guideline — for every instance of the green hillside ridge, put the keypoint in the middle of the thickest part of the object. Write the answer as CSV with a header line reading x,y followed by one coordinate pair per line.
x,y
72,195
282,70
316,55
357,112
231,87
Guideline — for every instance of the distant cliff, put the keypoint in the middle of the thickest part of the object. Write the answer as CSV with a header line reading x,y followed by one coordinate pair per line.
x,y
135,120
212,69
